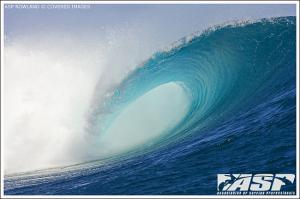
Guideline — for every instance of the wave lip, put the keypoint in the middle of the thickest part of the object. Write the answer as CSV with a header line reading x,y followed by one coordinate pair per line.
x,y
223,71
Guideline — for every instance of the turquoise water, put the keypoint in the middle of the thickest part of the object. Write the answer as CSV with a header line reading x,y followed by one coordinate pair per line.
x,y
234,87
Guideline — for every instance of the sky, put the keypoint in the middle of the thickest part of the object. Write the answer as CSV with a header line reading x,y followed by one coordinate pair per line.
x,y
165,22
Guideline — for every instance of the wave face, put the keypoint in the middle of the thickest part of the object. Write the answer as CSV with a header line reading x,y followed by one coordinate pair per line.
x,y
226,104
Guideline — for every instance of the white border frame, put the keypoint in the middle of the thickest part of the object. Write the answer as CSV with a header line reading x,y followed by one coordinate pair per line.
x,y
159,2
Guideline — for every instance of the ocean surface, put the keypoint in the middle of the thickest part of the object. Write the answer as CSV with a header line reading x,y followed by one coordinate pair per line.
x,y
237,84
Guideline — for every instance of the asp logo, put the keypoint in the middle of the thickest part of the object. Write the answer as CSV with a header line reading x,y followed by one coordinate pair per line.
x,y
254,183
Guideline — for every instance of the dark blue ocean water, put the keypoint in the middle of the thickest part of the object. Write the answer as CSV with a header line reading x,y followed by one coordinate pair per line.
x,y
241,79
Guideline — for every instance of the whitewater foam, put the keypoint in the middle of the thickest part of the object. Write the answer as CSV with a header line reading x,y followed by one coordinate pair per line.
x,y
50,89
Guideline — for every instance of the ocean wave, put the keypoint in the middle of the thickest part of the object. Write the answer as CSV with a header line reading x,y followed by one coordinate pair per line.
x,y
221,97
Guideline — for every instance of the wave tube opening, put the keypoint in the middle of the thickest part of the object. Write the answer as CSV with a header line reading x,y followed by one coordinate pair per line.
x,y
145,119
